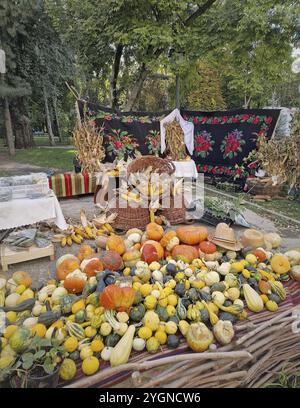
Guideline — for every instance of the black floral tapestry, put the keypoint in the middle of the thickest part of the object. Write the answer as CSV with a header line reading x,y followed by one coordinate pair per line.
x,y
222,139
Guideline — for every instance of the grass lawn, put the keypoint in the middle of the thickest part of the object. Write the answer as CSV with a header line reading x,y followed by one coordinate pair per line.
x,y
52,158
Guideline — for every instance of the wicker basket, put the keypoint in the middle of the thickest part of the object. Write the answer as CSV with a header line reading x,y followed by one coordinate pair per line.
x,y
129,217
257,186
174,215
158,164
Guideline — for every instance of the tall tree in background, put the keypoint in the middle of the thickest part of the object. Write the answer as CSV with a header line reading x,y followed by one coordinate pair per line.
x,y
37,63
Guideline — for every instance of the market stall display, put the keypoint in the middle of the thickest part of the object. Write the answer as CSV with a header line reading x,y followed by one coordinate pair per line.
x,y
155,291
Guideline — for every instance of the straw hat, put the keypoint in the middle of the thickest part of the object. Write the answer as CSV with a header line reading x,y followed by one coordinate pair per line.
x,y
224,237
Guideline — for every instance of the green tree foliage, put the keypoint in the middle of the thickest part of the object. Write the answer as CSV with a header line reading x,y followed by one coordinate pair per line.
x,y
201,88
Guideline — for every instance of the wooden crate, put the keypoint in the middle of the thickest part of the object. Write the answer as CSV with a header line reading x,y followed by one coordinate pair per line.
x,y
9,257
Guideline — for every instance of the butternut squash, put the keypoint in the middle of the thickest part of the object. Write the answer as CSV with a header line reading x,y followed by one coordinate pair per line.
x,y
121,352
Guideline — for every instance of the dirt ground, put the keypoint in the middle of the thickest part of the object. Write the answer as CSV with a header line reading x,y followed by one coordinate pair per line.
x,y
42,269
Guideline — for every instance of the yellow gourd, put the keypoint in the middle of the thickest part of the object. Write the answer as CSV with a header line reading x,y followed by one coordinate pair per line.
x,y
122,350
253,300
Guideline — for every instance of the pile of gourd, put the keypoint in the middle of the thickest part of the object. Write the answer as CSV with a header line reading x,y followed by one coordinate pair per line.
x,y
149,289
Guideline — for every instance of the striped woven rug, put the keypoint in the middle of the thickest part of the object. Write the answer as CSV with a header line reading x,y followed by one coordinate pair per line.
x,y
72,184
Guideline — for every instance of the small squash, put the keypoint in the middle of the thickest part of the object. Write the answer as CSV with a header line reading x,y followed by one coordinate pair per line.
x,y
280,264
117,298
66,266
22,278
75,281
207,247
151,251
116,243
186,253
199,337
154,231
91,266
111,260
85,252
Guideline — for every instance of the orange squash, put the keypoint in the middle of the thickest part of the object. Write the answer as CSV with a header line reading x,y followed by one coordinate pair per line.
x,y
85,251
22,278
187,253
192,235
260,255
75,281
154,231
116,243
111,260
64,257
117,298
74,285
152,251
91,266
207,247
65,267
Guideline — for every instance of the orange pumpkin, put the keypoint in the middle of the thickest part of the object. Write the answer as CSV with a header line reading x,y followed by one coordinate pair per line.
x,y
116,243
74,285
64,257
192,235
22,278
91,266
187,253
152,251
167,237
136,246
111,260
65,267
85,251
154,231
260,255
207,247
117,298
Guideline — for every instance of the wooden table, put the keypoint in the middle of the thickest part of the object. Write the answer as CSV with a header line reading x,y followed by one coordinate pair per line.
x,y
9,257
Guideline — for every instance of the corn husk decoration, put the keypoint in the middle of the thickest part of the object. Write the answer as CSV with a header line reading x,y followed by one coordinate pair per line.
x,y
88,141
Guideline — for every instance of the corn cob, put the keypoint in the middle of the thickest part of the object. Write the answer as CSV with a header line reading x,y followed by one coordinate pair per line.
x,y
63,242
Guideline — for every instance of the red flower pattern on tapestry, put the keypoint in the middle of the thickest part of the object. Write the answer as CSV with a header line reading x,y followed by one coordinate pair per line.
x,y
204,143
232,144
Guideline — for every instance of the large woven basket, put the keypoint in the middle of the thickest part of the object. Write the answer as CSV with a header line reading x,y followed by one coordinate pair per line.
x,y
264,186
129,217
174,215
160,165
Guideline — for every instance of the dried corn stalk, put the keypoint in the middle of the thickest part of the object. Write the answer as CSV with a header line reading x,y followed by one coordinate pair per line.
x,y
175,145
281,159
89,145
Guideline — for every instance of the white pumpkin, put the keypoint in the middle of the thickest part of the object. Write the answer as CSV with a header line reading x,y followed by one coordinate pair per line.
x,y
293,256
134,237
211,277
224,268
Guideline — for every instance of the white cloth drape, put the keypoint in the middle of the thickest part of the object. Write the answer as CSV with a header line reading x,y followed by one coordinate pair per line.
x,y
187,127
185,168
26,211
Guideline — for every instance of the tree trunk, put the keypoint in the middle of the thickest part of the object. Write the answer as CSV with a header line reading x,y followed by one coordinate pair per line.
x,y
8,129
22,125
247,102
136,88
48,118
56,119
177,91
114,76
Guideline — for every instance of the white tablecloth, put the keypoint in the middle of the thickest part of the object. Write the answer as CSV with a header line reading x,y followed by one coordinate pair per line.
x,y
185,169
26,211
